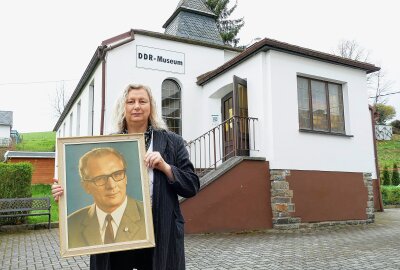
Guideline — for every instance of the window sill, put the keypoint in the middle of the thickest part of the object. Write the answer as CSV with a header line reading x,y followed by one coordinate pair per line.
x,y
325,133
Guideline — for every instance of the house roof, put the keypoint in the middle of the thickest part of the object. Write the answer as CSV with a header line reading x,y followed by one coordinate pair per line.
x,y
194,20
271,44
23,154
194,6
6,118
110,44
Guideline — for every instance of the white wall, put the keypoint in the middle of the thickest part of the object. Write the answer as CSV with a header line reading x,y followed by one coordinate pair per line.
x,y
297,150
272,97
95,79
5,131
252,71
122,70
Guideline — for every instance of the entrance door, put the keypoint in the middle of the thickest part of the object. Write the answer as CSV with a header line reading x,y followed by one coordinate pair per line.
x,y
227,113
236,131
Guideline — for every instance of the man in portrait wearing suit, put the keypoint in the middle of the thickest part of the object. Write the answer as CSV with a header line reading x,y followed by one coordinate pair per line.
x,y
114,216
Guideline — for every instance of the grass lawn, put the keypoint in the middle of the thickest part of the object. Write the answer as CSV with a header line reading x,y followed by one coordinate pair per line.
x,y
389,152
37,141
44,191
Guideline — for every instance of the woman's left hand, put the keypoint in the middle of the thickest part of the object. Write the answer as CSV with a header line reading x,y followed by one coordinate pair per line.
x,y
154,160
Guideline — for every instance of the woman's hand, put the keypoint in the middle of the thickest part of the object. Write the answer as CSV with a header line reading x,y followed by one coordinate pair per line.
x,y
154,160
56,190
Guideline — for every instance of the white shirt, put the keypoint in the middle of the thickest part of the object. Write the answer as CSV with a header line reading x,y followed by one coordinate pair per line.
x,y
150,172
116,215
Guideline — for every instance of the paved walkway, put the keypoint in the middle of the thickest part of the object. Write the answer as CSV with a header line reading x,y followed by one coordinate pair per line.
x,y
374,246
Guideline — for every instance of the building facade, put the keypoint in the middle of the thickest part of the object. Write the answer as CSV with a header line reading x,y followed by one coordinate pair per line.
x,y
296,118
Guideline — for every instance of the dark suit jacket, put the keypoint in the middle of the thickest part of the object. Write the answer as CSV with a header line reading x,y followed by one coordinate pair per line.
x,y
167,218
83,226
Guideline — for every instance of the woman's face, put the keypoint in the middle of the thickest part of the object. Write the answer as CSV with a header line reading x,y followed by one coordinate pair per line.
x,y
137,107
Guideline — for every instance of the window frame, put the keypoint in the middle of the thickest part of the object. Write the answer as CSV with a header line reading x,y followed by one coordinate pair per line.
x,y
310,104
165,118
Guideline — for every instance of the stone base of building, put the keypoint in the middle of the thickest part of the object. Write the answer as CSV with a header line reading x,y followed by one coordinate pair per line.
x,y
314,199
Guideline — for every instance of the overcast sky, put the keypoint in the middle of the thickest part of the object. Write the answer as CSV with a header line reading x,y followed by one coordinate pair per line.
x,y
44,42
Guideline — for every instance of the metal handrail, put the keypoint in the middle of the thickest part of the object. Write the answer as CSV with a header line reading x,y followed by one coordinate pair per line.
x,y
233,137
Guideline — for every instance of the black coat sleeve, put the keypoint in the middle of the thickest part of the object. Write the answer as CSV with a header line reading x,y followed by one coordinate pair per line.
x,y
186,182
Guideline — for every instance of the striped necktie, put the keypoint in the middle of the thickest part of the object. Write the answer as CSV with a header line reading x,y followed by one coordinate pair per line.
x,y
109,235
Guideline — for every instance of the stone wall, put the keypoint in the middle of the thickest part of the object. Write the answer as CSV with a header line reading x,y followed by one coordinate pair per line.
x,y
284,211
370,203
281,201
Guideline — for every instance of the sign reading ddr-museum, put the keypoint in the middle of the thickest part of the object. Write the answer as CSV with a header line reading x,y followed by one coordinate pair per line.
x,y
159,59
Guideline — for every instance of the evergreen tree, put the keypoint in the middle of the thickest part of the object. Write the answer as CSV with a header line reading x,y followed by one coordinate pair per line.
x,y
386,176
227,28
395,175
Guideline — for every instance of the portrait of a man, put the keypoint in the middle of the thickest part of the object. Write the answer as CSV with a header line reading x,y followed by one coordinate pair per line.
x,y
114,216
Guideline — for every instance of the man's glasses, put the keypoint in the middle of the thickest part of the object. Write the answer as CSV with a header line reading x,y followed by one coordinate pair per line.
x,y
101,180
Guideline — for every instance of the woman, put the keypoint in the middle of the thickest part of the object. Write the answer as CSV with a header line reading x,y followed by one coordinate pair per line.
x,y
170,174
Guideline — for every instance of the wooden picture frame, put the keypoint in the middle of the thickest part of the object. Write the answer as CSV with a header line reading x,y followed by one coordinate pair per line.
x,y
97,181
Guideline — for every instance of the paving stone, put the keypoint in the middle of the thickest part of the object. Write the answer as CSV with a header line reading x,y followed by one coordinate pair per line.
x,y
351,247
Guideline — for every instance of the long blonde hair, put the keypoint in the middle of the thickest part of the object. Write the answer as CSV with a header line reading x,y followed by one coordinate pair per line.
x,y
119,111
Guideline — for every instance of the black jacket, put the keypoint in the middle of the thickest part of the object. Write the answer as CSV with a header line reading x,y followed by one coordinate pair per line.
x,y
167,218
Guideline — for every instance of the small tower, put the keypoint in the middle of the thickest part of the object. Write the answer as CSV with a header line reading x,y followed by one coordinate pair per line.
x,y
192,19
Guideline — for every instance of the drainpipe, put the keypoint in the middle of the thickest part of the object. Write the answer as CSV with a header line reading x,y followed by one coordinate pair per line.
x,y
372,110
103,55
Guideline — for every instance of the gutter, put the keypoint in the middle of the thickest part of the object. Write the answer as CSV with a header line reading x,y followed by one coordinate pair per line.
x,y
378,176
130,37
98,56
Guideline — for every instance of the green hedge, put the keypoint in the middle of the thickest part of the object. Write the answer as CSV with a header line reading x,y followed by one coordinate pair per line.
x,y
15,180
390,195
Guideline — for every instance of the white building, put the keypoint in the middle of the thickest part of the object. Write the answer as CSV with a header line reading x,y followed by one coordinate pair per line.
x,y
6,122
304,112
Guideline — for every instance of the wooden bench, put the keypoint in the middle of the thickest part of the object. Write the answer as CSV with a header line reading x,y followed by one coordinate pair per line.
x,y
21,207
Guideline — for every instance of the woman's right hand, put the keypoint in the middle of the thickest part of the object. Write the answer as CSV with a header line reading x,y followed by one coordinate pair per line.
x,y
56,190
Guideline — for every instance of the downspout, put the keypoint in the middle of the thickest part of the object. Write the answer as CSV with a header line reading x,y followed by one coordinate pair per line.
x,y
372,110
103,87
103,54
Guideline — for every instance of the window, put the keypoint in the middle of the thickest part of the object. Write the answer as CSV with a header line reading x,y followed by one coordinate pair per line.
x,y
171,105
78,118
320,106
71,123
91,109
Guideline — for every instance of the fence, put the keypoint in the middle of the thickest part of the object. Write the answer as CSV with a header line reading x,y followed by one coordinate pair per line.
x,y
233,137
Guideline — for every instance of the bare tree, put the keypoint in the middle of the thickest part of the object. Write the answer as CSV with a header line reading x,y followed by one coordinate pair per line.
x,y
352,50
379,86
376,81
60,99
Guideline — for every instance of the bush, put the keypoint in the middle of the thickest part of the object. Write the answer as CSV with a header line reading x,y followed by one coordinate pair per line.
x,y
390,195
395,175
396,126
15,182
386,177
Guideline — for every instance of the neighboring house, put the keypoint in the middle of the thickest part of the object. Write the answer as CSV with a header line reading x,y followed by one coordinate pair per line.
x,y
288,128
6,122
42,162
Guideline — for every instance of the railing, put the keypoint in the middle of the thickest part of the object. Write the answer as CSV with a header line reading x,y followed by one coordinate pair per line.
x,y
233,137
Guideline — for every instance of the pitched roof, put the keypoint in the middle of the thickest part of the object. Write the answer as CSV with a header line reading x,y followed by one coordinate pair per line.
x,y
195,6
192,19
6,118
25,154
271,44
198,5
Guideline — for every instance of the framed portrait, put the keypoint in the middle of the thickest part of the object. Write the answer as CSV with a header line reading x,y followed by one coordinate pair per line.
x,y
106,204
